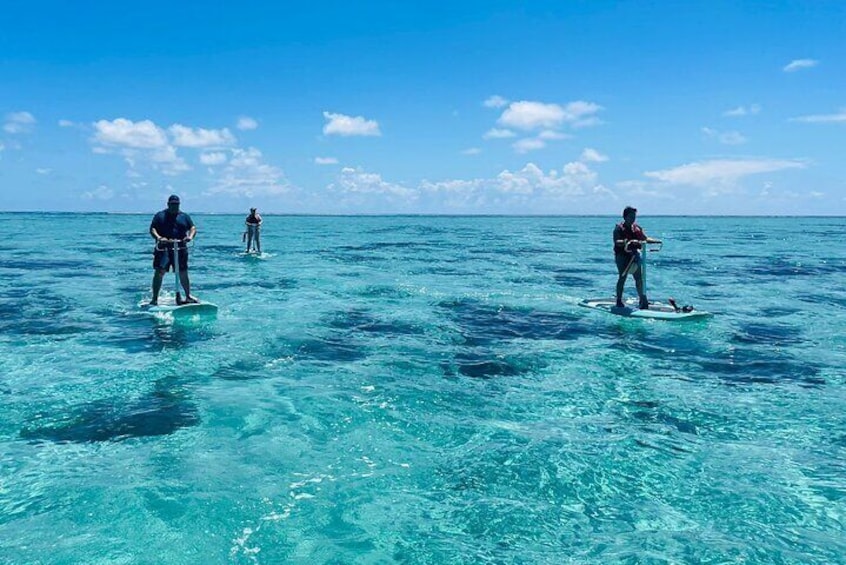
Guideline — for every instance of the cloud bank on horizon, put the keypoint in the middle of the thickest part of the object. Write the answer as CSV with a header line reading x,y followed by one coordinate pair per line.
x,y
594,136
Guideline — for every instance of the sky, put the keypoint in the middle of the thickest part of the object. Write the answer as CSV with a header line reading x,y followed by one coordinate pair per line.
x,y
462,107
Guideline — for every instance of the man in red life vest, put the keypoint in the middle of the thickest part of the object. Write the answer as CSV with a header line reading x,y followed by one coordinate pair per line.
x,y
628,240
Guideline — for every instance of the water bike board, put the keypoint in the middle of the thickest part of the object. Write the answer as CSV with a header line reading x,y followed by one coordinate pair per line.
x,y
656,310
185,310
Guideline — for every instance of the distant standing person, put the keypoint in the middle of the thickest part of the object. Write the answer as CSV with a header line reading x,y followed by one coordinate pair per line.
x,y
253,233
628,240
169,226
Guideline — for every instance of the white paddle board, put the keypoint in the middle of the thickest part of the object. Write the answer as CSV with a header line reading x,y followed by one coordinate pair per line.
x,y
656,310
193,309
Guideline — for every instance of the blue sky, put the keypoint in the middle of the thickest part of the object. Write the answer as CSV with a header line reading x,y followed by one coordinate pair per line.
x,y
565,107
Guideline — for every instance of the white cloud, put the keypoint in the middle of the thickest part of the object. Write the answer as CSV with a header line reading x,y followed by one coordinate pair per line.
x,y
798,64
527,190
325,161
42,171
126,133
528,144
19,122
102,192
722,172
741,111
726,138
144,142
355,180
340,124
550,135
246,123
495,101
495,133
471,151
527,115
582,114
247,175
592,156
167,161
839,117
66,124
549,118
184,136
574,180
213,158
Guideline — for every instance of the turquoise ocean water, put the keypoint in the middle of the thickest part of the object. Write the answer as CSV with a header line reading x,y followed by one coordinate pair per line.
x,y
423,390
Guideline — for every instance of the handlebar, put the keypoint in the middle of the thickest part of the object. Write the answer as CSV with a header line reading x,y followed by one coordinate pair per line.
x,y
168,243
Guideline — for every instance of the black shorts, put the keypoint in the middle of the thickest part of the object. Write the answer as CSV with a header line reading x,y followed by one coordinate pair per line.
x,y
623,260
163,259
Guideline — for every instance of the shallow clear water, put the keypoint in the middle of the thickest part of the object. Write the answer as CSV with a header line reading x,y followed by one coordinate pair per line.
x,y
422,390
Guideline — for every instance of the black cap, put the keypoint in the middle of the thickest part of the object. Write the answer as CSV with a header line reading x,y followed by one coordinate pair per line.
x,y
628,209
174,199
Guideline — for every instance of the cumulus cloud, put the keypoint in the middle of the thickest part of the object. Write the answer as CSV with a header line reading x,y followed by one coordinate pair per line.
x,y
145,143
527,115
526,190
246,123
582,114
722,172
741,111
136,142
838,117
247,175
798,64
19,122
340,124
574,180
592,156
43,171
184,136
213,158
495,101
726,137
66,124
166,160
528,144
325,161
495,133
471,151
356,180
126,133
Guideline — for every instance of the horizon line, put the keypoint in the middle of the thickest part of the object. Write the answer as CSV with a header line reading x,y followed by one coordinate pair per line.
x,y
428,215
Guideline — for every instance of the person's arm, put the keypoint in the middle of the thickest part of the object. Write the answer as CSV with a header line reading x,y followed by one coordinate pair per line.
x,y
192,230
258,217
153,232
619,240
